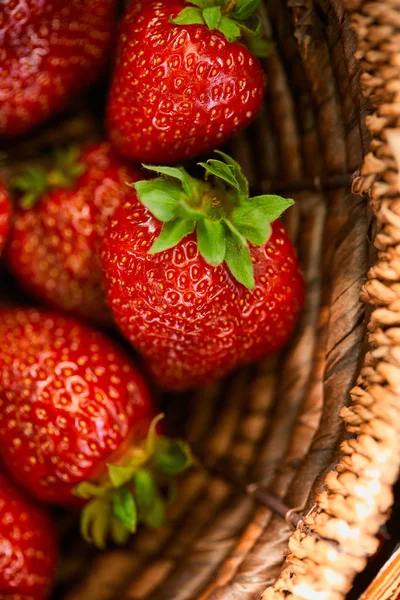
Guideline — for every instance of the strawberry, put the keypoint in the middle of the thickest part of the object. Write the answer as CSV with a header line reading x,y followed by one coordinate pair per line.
x,y
50,51
74,416
5,209
53,246
197,278
183,84
28,548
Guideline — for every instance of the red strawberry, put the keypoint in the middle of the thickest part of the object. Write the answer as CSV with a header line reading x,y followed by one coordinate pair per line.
x,y
72,406
198,305
28,548
184,87
50,51
53,249
5,208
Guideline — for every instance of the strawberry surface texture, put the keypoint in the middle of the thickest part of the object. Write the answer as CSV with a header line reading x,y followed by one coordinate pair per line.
x,y
28,546
5,214
178,90
71,402
213,287
50,49
53,250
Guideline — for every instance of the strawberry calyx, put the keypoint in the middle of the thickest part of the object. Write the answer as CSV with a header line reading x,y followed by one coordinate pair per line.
x,y
134,491
35,180
220,211
235,19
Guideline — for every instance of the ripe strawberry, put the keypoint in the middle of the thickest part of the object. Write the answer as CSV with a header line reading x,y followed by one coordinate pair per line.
x,y
185,86
50,51
198,305
73,415
28,548
5,208
53,246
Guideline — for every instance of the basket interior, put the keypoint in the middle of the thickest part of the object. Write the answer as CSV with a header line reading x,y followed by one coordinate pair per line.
x,y
275,422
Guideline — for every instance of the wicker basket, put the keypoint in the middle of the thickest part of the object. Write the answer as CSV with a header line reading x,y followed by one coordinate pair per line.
x,y
331,117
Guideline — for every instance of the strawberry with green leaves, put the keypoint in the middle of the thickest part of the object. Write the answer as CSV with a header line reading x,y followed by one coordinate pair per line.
x,y
186,77
201,277
28,545
5,211
58,225
77,424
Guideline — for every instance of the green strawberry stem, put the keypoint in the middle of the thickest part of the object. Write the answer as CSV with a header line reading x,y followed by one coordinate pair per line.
x,y
134,491
235,19
34,180
220,211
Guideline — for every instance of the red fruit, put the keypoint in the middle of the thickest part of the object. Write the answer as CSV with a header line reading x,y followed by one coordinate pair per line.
x,y
197,307
70,398
53,249
179,90
50,51
28,548
74,416
5,208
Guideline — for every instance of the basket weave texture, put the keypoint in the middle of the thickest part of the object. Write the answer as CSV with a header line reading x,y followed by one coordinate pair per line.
x,y
332,105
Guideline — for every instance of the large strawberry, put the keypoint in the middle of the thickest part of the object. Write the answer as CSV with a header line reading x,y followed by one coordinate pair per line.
x,y
197,278
57,228
74,418
28,547
5,208
184,83
49,51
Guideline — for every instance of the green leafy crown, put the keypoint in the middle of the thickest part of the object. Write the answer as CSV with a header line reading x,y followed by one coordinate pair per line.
x,y
220,211
235,19
134,491
35,180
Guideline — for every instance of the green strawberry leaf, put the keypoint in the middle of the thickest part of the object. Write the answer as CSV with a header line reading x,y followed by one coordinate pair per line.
x,y
189,16
229,28
251,223
160,197
172,456
220,170
152,435
145,490
271,206
119,474
124,508
211,241
188,183
171,234
88,490
238,172
238,258
212,16
155,515
243,9
119,532
94,522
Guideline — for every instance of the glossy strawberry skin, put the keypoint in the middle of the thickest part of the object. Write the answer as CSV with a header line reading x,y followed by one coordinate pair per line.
x,y
53,250
71,401
5,210
178,91
193,322
50,51
28,547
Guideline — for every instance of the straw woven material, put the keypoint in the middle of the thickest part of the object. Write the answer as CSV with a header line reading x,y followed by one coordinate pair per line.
x,y
332,109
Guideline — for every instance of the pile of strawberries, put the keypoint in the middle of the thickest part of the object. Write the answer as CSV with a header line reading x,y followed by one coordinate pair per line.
x,y
198,275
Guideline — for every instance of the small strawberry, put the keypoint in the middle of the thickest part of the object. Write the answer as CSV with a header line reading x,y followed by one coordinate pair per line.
x,y
49,52
5,209
74,415
183,84
28,547
197,278
57,229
